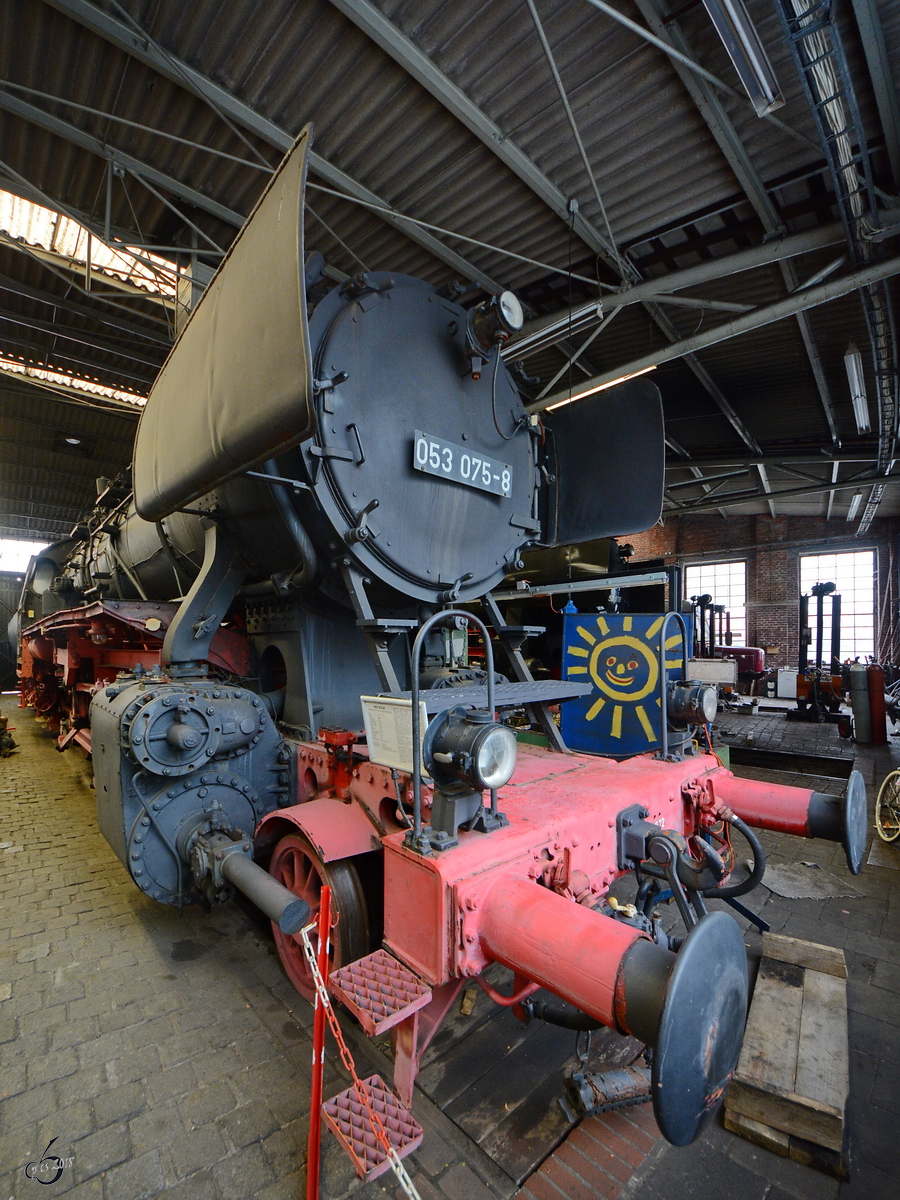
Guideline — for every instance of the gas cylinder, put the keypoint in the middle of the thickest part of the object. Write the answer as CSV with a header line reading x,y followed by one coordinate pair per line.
x,y
859,702
875,680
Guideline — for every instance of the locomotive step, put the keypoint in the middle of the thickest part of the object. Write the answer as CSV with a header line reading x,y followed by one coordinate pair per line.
x,y
379,990
506,695
351,1124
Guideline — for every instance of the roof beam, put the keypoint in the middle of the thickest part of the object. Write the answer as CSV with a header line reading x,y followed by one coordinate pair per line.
x,y
706,380
67,304
71,133
774,250
786,307
14,381
140,47
730,499
775,461
417,64
80,337
52,360
728,140
404,51
56,260
872,36
678,449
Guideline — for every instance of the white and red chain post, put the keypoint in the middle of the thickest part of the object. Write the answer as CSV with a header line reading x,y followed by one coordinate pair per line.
x,y
324,1011
313,1153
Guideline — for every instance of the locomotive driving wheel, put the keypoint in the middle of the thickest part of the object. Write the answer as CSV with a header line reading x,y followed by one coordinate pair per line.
x,y
296,865
887,808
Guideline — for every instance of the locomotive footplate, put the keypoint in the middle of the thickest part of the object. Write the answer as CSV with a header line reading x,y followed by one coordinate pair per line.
x,y
506,695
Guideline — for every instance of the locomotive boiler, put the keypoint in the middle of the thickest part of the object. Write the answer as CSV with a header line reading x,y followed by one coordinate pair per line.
x,y
328,482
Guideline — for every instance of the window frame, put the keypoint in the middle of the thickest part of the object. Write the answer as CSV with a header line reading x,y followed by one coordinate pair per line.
x,y
724,561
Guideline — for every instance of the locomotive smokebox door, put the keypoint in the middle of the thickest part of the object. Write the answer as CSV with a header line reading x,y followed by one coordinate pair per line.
x,y
604,457
426,472
236,388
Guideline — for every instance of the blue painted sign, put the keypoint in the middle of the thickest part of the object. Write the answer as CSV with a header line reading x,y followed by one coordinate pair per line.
x,y
618,655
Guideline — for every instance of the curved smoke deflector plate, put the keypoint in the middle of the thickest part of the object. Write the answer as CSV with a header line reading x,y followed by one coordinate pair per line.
x,y
236,388
605,461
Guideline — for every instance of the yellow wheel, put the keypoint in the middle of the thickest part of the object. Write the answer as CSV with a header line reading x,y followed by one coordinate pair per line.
x,y
887,808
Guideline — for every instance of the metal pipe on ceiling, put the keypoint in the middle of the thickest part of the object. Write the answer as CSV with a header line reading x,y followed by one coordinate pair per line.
x,y
787,246
788,306
731,499
729,141
225,103
816,46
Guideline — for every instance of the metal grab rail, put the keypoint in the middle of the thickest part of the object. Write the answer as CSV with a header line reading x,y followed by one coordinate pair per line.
x,y
663,680
457,618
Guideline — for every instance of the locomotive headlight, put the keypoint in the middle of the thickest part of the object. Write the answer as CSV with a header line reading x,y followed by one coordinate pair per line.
x,y
692,703
509,309
467,747
495,320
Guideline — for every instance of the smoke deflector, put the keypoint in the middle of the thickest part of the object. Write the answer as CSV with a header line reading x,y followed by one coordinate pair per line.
x,y
237,386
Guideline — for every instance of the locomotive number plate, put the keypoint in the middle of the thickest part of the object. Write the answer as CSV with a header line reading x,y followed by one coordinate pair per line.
x,y
434,456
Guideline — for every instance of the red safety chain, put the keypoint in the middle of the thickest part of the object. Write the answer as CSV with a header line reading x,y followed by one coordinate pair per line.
x,y
313,1154
323,1004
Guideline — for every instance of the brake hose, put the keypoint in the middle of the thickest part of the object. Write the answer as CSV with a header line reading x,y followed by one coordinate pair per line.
x,y
755,876
564,1017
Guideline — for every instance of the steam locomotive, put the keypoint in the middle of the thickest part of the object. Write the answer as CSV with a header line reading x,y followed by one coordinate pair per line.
x,y
329,481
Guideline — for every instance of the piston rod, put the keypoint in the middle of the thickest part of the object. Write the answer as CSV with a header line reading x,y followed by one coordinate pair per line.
x,y
288,911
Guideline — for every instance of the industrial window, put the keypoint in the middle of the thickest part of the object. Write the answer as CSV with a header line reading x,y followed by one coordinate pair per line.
x,y
726,582
853,574
16,554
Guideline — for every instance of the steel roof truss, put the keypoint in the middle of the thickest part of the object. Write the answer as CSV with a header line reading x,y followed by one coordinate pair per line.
x,y
144,50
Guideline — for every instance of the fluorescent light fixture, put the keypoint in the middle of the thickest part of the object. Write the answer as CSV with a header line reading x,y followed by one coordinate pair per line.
x,y
854,506
854,367
746,52
601,388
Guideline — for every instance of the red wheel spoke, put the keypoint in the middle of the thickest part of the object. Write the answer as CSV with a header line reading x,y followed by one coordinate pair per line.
x,y
296,865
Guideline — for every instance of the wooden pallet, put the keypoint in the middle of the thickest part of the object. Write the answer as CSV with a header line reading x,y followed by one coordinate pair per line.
x,y
790,1088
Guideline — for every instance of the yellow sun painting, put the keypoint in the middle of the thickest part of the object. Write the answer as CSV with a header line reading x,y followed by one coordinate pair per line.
x,y
619,655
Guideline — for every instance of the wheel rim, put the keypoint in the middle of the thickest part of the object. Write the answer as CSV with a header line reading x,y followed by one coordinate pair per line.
x,y
296,865
887,808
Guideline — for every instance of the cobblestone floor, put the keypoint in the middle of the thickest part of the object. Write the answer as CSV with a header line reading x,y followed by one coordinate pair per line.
x,y
168,1055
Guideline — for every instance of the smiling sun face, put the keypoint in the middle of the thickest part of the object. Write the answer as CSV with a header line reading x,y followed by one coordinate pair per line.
x,y
621,674
620,656
622,666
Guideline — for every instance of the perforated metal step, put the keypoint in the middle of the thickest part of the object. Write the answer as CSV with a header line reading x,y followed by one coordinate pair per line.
x,y
348,1120
379,990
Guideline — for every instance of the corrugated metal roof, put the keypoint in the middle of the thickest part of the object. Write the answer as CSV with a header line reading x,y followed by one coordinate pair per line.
x,y
670,195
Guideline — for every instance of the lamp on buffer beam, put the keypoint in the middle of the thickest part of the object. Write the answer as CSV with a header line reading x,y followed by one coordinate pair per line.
x,y
746,52
854,367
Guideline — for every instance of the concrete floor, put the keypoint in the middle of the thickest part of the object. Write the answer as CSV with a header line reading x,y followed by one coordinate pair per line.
x,y
169,1056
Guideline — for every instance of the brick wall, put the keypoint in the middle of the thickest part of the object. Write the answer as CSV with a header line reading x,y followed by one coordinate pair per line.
x,y
772,548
